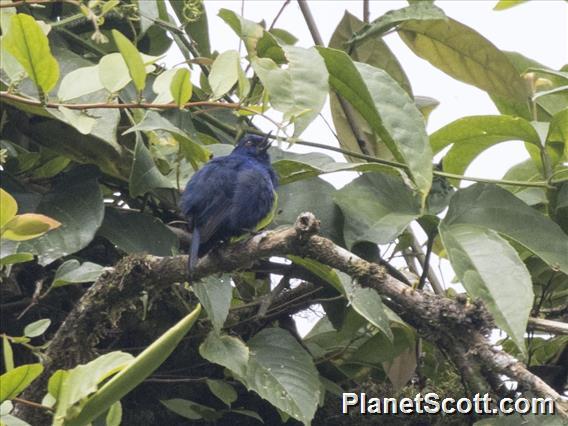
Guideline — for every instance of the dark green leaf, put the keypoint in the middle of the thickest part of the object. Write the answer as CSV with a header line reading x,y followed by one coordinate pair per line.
x,y
144,175
228,351
495,208
135,232
222,390
72,272
78,204
466,55
490,269
192,410
390,112
377,208
215,294
283,373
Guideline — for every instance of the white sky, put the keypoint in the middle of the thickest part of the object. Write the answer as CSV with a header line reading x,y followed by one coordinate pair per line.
x,y
537,29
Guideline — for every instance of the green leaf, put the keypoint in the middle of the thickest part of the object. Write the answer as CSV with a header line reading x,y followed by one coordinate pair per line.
x,y
113,72
390,112
314,195
292,167
72,272
8,207
250,32
192,410
506,4
70,387
466,55
222,390
79,82
557,138
249,413
134,232
28,226
77,203
420,11
227,351
161,86
78,119
492,207
136,371
18,379
7,354
372,51
16,258
298,91
144,175
489,268
181,87
29,45
133,60
377,208
194,152
148,13
283,373
367,303
471,136
224,72
37,328
325,272
215,294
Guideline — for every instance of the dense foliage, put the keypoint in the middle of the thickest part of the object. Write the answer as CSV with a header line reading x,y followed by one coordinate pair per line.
x,y
98,138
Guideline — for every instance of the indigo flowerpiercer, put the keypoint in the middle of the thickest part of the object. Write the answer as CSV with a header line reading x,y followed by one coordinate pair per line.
x,y
230,196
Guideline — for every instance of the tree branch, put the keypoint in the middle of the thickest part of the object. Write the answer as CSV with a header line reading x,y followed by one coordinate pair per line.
x,y
459,328
548,326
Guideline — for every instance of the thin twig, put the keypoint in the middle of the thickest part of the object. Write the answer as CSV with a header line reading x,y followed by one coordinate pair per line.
x,y
32,404
286,3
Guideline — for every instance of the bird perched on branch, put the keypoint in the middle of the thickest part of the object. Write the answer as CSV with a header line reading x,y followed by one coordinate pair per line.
x,y
230,196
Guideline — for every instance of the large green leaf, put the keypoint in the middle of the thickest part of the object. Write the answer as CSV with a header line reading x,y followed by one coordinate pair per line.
x,y
377,208
495,208
228,351
215,294
367,303
314,195
8,207
470,136
224,72
298,91
72,386
387,108
136,371
135,232
77,203
489,268
282,372
466,55
372,51
17,379
72,272
145,175
26,41
80,82
420,11
133,60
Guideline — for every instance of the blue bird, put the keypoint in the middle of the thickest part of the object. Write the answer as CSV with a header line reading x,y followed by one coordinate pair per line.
x,y
230,196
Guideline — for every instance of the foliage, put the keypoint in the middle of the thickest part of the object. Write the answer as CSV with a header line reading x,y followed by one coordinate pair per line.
x,y
98,138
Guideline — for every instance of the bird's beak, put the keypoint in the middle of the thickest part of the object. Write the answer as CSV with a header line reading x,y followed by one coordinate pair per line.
x,y
265,144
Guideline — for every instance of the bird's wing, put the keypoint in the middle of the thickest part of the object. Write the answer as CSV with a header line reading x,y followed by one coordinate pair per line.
x,y
213,216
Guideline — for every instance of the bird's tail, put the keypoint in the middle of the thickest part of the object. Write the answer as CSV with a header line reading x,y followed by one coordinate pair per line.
x,y
194,250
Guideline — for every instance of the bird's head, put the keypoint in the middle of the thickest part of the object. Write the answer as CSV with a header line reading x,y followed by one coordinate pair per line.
x,y
254,146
